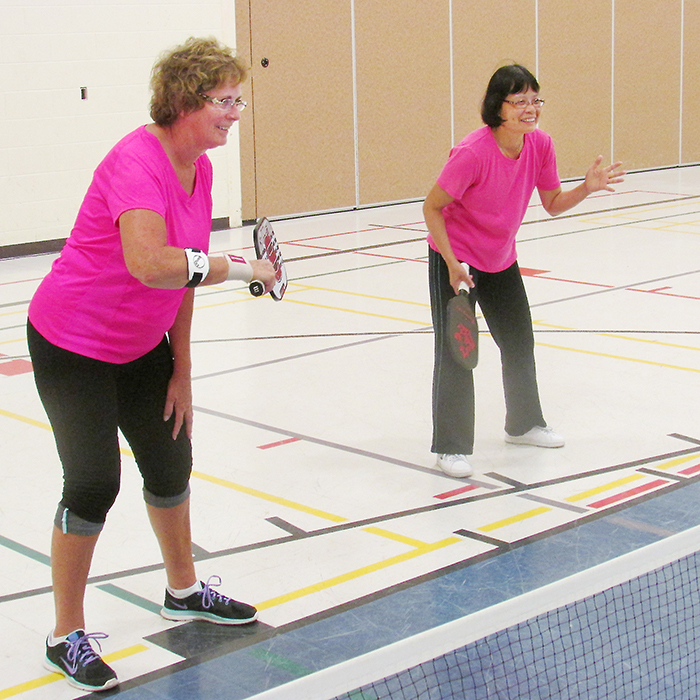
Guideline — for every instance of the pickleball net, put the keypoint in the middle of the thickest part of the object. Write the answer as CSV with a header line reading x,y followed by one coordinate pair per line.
x,y
625,629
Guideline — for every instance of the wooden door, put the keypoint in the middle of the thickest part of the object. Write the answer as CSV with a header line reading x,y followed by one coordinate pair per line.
x,y
298,138
403,97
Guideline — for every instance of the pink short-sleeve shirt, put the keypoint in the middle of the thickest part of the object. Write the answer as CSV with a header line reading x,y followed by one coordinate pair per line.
x,y
491,193
89,303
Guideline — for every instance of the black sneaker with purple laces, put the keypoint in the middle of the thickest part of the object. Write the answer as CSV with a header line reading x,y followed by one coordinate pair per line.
x,y
208,605
80,663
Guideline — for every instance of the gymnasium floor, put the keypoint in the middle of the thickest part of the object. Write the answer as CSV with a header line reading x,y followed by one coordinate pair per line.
x,y
315,495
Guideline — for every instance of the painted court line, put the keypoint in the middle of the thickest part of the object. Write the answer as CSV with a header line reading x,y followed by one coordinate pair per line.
x,y
514,519
629,494
279,443
53,677
357,573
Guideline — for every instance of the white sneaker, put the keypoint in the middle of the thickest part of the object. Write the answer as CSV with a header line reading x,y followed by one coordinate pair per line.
x,y
455,465
537,437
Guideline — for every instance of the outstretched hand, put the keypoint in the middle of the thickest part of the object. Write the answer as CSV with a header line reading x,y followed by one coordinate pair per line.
x,y
598,178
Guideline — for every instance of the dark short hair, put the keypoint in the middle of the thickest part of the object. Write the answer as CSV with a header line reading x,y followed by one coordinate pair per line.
x,y
507,80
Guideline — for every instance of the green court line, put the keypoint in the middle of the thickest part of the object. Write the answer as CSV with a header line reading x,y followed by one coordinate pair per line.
x,y
131,598
280,662
25,551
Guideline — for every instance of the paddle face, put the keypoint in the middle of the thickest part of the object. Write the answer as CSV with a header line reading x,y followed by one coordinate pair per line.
x,y
462,330
266,247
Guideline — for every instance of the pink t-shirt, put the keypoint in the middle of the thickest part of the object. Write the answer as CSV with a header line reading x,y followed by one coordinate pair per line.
x,y
89,303
491,193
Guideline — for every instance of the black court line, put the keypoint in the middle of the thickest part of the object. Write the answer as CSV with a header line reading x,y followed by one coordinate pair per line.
x,y
471,535
506,491
359,249
286,526
618,288
561,504
419,510
428,330
659,473
320,441
678,436
298,356
602,227
259,633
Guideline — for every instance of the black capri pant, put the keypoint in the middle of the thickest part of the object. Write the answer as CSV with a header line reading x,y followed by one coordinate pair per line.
x,y
503,302
87,402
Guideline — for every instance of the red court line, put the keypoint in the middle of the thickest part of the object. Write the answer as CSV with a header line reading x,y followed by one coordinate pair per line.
x,y
300,241
531,272
387,257
277,444
661,293
31,279
15,367
589,284
627,494
456,492
316,247
690,470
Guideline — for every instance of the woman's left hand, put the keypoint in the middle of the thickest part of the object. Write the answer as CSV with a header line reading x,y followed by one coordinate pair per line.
x,y
179,402
598,178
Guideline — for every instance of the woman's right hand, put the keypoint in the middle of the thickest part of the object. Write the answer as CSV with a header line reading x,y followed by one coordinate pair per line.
x,y
264,272
459,273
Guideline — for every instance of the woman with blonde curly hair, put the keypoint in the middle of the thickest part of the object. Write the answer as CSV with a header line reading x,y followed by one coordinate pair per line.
x,y
109,336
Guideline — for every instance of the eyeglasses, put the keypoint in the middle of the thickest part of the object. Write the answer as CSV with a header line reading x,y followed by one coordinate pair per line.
x,y
522,103
226,103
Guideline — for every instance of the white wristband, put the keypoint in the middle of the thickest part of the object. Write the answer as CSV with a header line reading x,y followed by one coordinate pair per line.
x,y
197,266
238,268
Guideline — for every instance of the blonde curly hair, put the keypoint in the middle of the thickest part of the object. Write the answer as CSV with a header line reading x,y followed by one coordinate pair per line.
x,y
182,74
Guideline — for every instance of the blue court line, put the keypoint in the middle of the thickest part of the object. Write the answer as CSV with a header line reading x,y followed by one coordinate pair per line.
x,y
376,621
131,598
25,551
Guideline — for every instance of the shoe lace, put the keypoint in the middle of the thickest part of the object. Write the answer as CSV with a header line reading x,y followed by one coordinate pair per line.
x,y
210,596
80,652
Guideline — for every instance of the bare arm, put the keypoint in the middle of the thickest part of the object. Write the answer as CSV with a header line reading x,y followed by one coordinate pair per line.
x,y
153,262
435,202
558,201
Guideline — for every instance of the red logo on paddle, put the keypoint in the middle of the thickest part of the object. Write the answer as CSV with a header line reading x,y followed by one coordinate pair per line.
x,y
464,337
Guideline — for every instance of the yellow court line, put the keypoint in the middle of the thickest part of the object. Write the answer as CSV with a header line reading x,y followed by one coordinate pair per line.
x,y
53,677
394,536
652,342
620,336
355,311
604,487
380,532
620,357
46,426
365,296
269,497
357,573
677,462
514,519
24,419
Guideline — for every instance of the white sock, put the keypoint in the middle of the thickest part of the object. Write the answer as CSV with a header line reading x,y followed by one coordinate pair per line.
x,y
53,641
185,592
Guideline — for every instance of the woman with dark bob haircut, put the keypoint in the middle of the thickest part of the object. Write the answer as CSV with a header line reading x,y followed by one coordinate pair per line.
x,y
473,214
109,337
